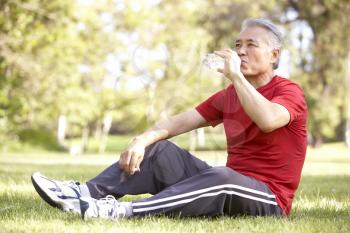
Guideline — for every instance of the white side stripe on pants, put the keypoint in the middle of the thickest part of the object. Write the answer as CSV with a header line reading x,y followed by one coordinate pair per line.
x,y
204,191
135,210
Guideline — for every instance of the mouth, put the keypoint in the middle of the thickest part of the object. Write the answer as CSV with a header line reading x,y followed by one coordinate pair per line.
x,y
244,63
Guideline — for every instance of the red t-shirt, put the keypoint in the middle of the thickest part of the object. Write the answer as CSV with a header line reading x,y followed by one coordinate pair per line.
x,y
275,158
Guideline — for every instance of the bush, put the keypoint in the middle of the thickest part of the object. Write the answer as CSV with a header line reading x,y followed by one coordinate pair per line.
x,y
42,138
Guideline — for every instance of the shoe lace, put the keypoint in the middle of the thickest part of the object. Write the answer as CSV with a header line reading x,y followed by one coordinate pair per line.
x,y
73,185
109,207
70,183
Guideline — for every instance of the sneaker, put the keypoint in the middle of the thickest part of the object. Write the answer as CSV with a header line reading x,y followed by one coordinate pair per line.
x,y
60,194
105,208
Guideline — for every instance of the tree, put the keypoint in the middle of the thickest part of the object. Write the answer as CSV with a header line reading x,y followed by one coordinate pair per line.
x,y
42,45
323,76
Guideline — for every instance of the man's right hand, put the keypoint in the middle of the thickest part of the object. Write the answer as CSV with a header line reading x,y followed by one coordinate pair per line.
x,y
131,158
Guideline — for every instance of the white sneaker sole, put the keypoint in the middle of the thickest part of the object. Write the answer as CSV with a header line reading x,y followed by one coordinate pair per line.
x,y
49,196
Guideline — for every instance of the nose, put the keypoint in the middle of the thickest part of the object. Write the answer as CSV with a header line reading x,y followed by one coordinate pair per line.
x,y
241,50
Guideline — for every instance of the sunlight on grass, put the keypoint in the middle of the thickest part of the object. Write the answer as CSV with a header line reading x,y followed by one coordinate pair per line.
x,y
331,204
321,203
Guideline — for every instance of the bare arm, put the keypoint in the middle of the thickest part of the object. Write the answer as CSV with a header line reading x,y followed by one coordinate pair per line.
x,y
267,115
132,157
175,125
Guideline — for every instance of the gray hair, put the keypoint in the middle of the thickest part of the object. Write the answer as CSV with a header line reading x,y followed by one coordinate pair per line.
x,y
274,32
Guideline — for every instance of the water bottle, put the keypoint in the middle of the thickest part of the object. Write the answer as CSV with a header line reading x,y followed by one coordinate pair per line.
x,y
213,61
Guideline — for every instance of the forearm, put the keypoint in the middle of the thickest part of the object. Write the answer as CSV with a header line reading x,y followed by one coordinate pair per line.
x,y
161,130
173,126
151,136
257,107
131,158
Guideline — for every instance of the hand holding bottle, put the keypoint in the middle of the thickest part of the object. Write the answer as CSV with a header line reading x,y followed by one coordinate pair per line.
x,y
225,61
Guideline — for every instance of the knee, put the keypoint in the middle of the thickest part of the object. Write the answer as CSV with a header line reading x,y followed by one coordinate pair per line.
x,y
157,147
162,145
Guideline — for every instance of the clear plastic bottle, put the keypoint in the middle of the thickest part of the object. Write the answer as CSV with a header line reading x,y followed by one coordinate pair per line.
x,y
213,61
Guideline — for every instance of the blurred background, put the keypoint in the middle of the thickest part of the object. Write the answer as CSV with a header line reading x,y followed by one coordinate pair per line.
x,y
85,76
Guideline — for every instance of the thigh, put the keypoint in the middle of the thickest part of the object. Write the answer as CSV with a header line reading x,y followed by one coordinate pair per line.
x,y
234,193
248,196
214,191
171,164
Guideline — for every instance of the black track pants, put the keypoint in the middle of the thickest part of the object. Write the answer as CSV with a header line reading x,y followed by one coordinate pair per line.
x,y
183,184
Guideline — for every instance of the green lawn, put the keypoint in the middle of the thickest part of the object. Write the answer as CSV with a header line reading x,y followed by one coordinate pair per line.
x,y
322,203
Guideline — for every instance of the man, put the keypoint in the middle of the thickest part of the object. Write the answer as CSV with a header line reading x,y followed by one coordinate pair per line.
x,y
264,117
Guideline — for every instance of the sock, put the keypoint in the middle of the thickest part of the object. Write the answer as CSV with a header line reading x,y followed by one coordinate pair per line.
x,y
84,190
128,208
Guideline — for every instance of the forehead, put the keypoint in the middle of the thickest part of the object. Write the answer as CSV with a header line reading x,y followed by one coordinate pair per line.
x,y
258,34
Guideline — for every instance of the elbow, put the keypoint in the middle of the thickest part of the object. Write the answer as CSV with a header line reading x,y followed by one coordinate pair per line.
x,y
267,127
273,120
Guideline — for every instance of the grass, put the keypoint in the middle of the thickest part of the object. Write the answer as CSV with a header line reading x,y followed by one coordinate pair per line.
x,y
322,203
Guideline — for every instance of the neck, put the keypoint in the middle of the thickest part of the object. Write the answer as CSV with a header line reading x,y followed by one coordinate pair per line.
x,y
260,80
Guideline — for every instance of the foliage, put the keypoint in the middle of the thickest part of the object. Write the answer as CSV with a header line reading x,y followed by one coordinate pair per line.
x,y
61,57
41,50
324,76
39,138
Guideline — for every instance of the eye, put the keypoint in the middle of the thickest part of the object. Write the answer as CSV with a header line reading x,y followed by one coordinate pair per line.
x,y
237,45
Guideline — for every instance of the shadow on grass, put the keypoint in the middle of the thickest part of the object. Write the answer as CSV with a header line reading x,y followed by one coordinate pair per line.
x,y
15,204
28,205
31,208
22,172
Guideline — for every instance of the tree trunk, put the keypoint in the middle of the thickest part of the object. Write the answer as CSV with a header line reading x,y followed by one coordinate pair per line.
x,y
151,94
192,141
107,123
98,130
347,130
85,139
201,137
318,141
61,130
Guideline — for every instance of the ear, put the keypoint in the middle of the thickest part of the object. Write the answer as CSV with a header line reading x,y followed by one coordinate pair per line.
x,y
275,55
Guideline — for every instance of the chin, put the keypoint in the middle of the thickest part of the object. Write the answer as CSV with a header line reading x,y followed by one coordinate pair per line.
x,y
250,75
246,72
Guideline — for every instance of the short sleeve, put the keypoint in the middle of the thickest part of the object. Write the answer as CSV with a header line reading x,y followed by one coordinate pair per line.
x,y
291,96
212,108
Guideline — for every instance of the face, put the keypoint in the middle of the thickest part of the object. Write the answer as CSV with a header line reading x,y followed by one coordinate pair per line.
x,y
257,56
